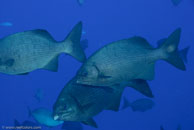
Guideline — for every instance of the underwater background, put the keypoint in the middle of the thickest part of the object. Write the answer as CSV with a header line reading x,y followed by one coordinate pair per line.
x,y
104,21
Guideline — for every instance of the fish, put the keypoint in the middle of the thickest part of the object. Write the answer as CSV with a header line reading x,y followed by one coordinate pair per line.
x,y
80,103
140,105
44,117
80,2
24,52
68,125
176,2
179,127
26,124
161,127
6,24
126,60
39,94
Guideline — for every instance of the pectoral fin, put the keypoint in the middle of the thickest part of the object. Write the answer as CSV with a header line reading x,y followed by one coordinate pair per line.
x,y
104,76
90,122
52,65
100,74
105,88
141,86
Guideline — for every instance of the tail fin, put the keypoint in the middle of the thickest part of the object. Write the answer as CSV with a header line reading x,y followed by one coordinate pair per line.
x,y
72,43
183,54
170,48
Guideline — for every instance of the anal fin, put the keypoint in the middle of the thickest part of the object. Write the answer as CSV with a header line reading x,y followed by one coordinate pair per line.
x,y
141,86
52,65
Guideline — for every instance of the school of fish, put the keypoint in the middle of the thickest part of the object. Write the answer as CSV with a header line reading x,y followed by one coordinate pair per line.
x,y
99,83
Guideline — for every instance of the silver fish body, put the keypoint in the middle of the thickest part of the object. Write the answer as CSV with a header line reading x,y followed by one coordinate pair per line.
x,y
125,60
36,49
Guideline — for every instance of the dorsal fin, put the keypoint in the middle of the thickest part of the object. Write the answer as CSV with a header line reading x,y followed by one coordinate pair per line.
x,y
140,41
43,33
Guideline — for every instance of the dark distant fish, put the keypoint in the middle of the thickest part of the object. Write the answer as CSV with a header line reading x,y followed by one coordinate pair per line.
x,y
140,105
24,52
39,94
80,2
161,127
179,127
6,24
176,2
44,117
68,125
80,103
26,124
126,60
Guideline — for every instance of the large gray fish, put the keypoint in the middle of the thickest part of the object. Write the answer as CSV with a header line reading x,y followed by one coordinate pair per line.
x,y
126,60
80,103
24,52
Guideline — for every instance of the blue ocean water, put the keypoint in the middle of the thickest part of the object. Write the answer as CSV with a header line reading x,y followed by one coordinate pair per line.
x,y
104,21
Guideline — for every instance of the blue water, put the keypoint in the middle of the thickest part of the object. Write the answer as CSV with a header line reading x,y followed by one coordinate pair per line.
x,y
104,21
